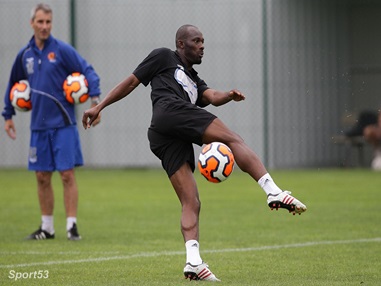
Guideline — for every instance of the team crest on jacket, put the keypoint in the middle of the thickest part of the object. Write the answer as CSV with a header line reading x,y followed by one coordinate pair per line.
x,y
187,83
52,57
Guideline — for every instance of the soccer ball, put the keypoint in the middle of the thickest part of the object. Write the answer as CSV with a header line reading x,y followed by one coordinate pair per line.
x,y
76,88
20,96
216,162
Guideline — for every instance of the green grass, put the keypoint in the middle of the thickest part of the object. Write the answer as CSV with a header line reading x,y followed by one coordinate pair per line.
x,y
130,224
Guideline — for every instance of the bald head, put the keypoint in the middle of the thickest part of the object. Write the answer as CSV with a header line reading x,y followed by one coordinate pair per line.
x,y
183,33
190,45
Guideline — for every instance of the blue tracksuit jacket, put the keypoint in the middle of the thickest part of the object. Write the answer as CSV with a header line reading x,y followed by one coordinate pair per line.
x,y
46,71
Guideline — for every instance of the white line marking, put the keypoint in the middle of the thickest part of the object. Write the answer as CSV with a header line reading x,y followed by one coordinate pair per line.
x,y
173,253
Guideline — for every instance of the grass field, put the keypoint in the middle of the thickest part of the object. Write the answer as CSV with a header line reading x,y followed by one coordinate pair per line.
x,y
129,221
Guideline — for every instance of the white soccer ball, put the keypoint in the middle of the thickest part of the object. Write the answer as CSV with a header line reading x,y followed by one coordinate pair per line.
x,y
76,88
20,96
216,162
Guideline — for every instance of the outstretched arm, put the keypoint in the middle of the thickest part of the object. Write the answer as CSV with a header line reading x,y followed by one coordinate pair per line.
x,y
217,98
117,93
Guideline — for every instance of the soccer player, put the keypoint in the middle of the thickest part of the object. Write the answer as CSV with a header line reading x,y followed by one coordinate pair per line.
x,y
54,144
372,134
178,122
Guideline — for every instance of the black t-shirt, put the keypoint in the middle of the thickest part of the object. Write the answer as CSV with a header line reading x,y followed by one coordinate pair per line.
x,y
169,78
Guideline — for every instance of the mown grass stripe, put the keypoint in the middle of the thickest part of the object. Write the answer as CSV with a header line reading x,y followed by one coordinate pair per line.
x,y
173,253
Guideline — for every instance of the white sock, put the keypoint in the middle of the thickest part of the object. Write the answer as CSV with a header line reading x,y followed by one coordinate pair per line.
x,y
70,221
268,185
47,223
193,252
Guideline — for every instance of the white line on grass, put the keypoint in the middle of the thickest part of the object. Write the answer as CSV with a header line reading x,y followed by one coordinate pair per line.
x,y
173,253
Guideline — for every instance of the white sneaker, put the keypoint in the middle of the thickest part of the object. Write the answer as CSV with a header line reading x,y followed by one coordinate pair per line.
x,y
199,272
376,163
284,200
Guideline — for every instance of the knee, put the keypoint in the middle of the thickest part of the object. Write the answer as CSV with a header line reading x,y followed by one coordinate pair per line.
x,y
238,140
236,143
370,133
43,178
67,177
367,132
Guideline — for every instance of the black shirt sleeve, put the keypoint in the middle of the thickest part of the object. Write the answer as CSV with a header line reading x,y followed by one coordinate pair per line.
x,y
153,64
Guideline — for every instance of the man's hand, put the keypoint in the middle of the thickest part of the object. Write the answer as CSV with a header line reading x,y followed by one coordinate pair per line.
x,y
236,95
10,128
91,116
98,119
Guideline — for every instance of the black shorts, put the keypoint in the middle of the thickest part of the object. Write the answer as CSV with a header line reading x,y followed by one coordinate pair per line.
x,y
174,128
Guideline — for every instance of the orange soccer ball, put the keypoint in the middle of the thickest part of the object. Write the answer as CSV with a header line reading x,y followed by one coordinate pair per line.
x,y
20,96
76,88
216,162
